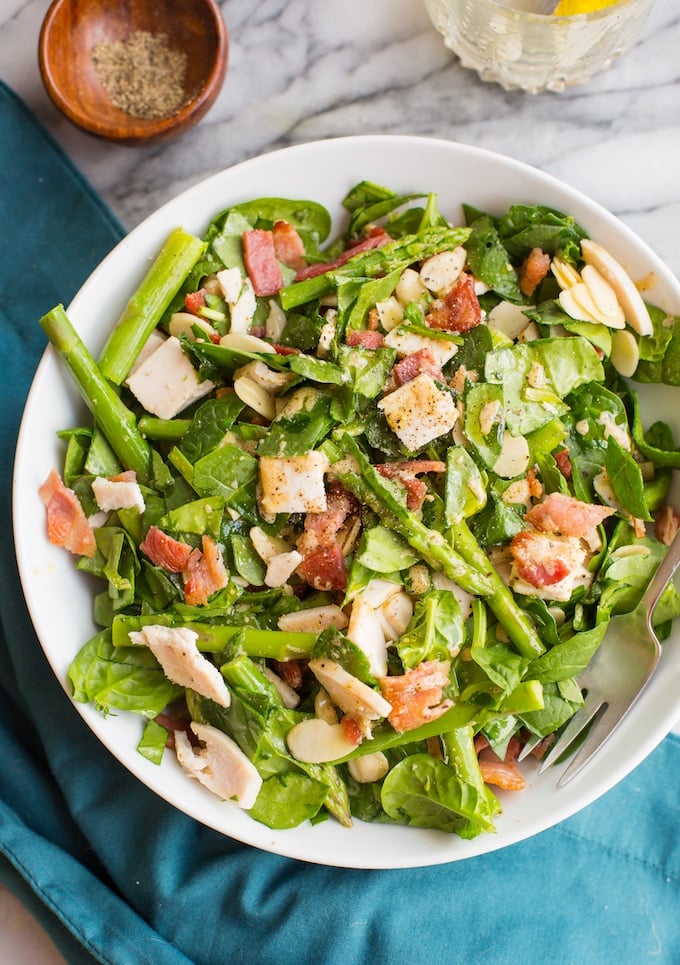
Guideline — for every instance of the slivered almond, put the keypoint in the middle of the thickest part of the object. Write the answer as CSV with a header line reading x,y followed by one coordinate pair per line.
x,y
629,297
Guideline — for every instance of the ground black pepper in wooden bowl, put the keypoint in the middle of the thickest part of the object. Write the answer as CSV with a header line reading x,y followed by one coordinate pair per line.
x,y
145,70
142,74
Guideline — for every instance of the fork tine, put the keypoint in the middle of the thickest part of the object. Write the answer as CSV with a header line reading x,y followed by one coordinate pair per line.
x,y
532,743
592,703
602,729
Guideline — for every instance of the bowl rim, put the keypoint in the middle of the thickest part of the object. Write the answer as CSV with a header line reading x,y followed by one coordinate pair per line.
x,y
131,130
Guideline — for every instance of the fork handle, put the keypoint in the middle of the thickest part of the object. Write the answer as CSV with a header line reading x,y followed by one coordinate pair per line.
x,y
664,573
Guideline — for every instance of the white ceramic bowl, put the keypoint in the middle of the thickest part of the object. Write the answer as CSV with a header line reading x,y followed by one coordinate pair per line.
x,y
60,598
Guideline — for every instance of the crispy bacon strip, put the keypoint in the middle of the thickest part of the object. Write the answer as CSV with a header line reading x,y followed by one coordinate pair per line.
x,y
666,524
259,257
458,310
418,363
406,473
503,773
351,730
416,696
288,245
533,270
204,574
194,301
567,515
323,563
67,524
376,238
364,339
165,551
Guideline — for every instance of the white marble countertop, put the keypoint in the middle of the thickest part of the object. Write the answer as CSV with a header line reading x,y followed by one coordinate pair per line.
x,y
302,70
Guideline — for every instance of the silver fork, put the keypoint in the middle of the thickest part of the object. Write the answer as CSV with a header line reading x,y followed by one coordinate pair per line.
x,y
616,676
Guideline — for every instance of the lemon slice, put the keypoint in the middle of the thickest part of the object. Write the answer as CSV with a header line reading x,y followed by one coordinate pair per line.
x,y
568,8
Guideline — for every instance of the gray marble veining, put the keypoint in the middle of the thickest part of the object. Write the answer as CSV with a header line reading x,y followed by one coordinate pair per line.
x,y
300,70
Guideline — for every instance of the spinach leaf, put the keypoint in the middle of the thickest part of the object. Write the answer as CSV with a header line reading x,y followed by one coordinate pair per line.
x,y
524,227
384,551
488,259
568,658
423,792
120,678
210,422
625,478
435,632
286,800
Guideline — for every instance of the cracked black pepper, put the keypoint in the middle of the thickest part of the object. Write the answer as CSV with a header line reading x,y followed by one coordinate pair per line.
x,y
142,75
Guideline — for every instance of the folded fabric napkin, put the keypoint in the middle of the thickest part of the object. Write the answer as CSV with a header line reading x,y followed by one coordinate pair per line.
x,y
116,875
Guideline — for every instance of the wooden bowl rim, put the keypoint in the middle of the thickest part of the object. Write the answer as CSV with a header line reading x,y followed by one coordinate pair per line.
x,y
131,130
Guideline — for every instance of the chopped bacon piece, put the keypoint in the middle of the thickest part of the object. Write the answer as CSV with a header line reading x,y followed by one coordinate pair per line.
x,y
364,339
416,696
418,363
128,475
373,320
351,730
323,567
204,574
194,301
563,461
323,563
259,257
288,245
458,310
535,484
534,268
286,350
406,472
666,524
544,560
412,467
67,524
568,516
165,551
503,773
376,238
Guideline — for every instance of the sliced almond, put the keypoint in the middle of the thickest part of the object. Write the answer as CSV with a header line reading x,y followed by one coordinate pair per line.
x,y
603,296
242,342
574,308
255,397
629,297
625,353
514,457
565,273
183,323
314,741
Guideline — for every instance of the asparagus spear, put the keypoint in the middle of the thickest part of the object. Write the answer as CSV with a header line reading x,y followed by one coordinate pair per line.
x,y
145,309
374,491
376,262
467,564
116,421
527,695
214,637
502,603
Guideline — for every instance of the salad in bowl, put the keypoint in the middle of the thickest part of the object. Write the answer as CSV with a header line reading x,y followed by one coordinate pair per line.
x,y
358,497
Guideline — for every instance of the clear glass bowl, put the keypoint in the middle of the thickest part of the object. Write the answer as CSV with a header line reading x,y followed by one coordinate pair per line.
x,y
536,52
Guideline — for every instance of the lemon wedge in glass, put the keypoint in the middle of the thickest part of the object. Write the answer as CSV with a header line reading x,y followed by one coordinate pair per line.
x,y
568,8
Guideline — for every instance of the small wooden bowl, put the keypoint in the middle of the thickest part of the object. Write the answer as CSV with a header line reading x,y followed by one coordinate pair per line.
x,y
71,29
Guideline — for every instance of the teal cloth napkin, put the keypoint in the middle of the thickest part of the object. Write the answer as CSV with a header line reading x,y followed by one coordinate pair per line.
x,y
118,876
